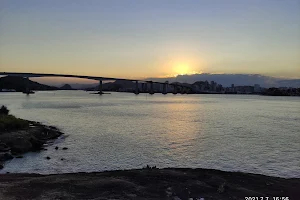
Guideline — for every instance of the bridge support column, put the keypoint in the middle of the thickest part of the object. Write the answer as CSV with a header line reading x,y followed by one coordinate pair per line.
x,y
151,88
175,89
181,90
145,87
142,87
100,87
136,87
27,89
164,88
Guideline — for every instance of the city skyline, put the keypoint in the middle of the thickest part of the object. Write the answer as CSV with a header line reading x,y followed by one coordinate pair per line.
x,y
141,39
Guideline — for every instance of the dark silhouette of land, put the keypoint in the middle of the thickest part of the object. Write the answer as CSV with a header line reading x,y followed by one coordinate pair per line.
x,y
237,79
20,84
66,87
147,183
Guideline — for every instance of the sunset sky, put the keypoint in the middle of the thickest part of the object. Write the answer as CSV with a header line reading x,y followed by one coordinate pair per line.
x,y
150,38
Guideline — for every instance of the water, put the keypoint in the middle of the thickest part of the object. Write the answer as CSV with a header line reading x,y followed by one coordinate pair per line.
x,y
257,134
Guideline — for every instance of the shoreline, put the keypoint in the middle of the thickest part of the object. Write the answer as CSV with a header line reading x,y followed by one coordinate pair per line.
x,y
33,138
147,183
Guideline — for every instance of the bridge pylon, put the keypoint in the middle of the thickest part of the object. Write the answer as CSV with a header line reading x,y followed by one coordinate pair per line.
x,y
174,89
151,88
100,87
136,88
165,87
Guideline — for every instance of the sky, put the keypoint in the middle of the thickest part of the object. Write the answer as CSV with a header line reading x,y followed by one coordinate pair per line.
x,y
150,38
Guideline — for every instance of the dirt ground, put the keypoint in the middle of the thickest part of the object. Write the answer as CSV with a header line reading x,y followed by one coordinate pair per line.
x,y
148,184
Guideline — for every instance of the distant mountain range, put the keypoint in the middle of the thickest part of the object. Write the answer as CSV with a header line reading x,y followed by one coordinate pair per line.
x,y
237,79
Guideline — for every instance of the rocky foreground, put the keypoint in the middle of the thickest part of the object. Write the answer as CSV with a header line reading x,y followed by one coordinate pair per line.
x,y
148,183
14,143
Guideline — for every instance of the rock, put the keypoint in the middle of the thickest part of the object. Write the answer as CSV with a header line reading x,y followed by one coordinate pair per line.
x,y
56,148
65,148
53,127
48,158
5,156
4,147
131,195
45,133
221,188
20,145
216,181
19,156
36,144
169,191
1,166
62,159
176,198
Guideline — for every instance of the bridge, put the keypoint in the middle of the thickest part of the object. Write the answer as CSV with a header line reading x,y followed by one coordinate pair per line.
x,y
145,83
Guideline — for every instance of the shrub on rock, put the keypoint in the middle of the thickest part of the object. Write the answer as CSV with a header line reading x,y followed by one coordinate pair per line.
x,y
4,110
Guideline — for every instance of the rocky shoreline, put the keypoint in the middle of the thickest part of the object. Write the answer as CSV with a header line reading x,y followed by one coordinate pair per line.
x,y
14,143
149,183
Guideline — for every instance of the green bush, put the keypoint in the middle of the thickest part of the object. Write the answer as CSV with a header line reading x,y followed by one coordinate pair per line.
x,y
10,122
4,110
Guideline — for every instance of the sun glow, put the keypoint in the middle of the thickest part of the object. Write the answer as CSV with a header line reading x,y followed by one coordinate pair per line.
x,y
181,69
182,65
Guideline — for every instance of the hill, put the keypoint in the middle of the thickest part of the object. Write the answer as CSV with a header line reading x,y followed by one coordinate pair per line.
x,y
19,84
66,87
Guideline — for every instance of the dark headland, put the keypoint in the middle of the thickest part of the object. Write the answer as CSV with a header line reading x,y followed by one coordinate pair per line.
x,y
19,136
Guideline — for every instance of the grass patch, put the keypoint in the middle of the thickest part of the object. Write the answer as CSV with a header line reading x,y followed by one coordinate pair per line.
x,y
10,122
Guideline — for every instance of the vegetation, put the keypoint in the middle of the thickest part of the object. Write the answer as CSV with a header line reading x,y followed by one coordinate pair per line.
x,y
10,122
4,110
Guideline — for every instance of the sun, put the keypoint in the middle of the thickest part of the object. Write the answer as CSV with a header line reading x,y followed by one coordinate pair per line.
x,y
181,69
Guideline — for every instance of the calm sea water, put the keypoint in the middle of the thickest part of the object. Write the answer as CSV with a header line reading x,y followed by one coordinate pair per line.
x,y
257,134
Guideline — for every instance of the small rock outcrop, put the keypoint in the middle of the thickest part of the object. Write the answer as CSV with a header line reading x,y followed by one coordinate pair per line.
x,y
5,156
20,156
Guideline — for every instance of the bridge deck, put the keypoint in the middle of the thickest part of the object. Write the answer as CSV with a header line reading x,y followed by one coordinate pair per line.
x,y
34,75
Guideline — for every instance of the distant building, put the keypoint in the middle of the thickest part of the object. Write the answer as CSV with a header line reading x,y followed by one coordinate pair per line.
x,y
232,88
213,86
